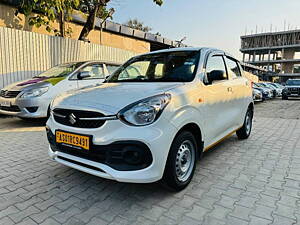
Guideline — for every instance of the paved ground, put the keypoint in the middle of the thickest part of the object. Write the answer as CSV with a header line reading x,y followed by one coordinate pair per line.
x,y
255,182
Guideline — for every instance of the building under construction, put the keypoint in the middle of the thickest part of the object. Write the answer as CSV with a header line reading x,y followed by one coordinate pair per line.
x,y
277,52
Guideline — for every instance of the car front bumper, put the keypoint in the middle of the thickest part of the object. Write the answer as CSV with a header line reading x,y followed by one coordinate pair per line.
x,y
157,139
36,107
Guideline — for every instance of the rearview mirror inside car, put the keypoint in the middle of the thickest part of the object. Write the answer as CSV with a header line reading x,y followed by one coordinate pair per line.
x,y
82,75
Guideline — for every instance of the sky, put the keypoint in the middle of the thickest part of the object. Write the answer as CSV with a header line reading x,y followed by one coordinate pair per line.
x,y
210,23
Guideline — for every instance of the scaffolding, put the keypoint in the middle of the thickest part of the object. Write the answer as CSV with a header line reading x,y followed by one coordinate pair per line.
x,y
274,52
287,38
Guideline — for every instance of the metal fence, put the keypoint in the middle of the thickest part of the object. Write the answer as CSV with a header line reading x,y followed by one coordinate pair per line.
x,y
24,54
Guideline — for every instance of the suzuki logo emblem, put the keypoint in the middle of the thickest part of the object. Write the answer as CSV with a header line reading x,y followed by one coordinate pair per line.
x,y
72,118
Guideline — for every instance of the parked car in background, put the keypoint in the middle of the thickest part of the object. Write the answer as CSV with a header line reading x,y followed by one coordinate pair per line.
x,y
272,88
291,89
267,92
279,88
257,95
277,91
31,98
154,117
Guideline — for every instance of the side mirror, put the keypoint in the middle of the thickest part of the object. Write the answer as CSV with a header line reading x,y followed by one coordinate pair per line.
x,y
82,75
216,75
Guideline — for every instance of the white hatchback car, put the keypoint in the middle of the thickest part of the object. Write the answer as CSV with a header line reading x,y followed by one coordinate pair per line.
x,y
154,116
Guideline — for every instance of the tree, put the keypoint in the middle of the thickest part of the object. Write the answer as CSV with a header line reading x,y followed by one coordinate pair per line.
x,y
93,9
135,24
45,12
97,8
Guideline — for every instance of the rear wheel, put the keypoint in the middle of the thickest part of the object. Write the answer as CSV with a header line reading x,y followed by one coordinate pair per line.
x,y
181,161
245,131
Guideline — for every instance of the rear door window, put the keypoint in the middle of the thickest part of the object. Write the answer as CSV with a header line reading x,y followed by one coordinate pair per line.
x,y
233,68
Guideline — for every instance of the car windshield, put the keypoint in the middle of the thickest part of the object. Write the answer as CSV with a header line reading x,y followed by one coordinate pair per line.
x,y
259,85
293,82
264,85
179,66
59,71
276,85
269,85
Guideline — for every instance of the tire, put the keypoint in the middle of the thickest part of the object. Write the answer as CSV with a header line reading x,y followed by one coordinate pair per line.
x,y
181,162
285,97
245,131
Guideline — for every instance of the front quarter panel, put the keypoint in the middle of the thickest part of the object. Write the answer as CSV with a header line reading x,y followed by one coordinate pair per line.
x,y
183,108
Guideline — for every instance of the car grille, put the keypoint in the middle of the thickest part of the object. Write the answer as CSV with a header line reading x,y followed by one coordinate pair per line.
x,y
78,118
9,94
294,90
12,108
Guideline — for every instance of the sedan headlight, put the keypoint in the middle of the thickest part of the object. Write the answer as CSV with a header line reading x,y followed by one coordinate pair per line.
x,y
146,111
35,92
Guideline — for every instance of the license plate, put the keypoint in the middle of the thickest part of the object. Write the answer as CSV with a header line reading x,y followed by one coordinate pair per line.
x,y
70,139
5,103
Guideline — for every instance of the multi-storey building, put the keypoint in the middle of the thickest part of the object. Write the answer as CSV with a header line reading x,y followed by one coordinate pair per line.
x,y
277,52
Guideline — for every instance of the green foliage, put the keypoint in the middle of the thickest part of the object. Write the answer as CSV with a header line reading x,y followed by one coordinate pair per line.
x,y
45,12
158,2
88,7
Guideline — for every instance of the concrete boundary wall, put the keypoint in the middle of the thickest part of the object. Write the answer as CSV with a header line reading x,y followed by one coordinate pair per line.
x,y
24,54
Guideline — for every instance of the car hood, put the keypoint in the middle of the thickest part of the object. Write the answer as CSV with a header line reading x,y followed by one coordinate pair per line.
x,y
110,98
33,83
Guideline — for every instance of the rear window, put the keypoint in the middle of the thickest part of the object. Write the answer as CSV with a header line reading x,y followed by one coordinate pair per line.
x,y
233,68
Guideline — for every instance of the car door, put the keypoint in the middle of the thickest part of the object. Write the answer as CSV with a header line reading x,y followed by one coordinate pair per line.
x,y
217,97
240,90
96,72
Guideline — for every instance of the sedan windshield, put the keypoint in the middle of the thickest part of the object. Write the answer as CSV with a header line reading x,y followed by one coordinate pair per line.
x,y
293,82
179,66
59,71
259,85
276,85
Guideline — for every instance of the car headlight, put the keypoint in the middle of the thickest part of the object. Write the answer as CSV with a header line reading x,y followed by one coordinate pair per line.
x,y
35,92
146,111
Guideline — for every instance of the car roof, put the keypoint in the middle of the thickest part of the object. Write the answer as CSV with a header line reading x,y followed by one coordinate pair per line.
x,y
178,50
92,61
202,49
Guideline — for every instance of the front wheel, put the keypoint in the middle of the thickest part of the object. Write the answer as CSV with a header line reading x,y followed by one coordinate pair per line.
x,y
284,97
181,161
245,131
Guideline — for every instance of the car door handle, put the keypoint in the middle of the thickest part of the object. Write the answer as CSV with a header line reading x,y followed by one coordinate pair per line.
x,y
229,89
